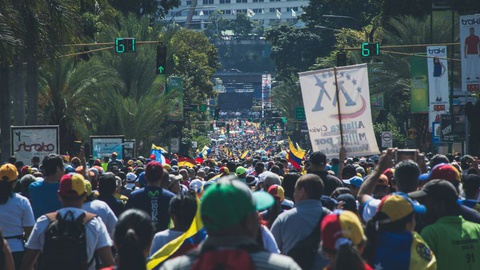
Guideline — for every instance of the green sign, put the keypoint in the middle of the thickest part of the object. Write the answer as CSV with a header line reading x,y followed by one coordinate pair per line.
x,y
300,114
419,84
370,49
175,85
203,107
125,45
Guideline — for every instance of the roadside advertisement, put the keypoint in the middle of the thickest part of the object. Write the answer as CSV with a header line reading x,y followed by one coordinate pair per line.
x,y
419,85
34,141
105,145
470,52
175,84
337,108
437,83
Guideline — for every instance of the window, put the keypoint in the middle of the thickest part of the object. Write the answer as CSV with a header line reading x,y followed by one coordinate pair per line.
x,y
189,2
241,1
272,10
258,1
224,1
257,10
295,8
227,12
207,2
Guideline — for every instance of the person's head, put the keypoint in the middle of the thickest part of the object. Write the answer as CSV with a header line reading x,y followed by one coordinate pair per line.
x,y
107,184
471,186
182,210
165,182
439,197
347,201
8,179
35,160
436,60
445,172
52,165
406,176
339,191
232,166
271,179
114,155
276,170
472,31
259,167
132,237
25,182
309,187
466,162
354,184
241,172
318,161
348,172
72,190
289,182
228,208
437,159
343,239
153,172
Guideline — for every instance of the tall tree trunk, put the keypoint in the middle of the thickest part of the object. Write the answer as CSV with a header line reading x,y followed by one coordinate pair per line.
x,y
19,92
32,88
5,113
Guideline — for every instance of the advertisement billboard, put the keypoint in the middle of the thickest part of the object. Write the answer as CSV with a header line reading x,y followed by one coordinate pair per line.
x,y
30,141
470,52
105,145
437,83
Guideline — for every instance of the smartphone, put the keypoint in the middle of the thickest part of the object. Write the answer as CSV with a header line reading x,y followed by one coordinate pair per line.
x,y
404,154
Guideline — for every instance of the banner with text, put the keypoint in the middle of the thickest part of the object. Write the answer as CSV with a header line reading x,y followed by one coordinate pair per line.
x,y
329,113
437,83
419,85
470,52
34,141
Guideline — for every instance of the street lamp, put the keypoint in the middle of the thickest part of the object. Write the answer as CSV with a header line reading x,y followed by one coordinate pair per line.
x,y
183,9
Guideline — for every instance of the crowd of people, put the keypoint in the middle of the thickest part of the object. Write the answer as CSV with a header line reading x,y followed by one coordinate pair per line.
x,y
256,212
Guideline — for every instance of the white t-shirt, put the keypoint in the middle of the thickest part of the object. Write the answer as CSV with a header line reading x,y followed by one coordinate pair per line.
x,y
96,233
162,238
269,243
102,210
14,216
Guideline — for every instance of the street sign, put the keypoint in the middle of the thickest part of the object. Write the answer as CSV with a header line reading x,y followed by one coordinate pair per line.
x,y
125,45
387,139
194,144
174,145
300,114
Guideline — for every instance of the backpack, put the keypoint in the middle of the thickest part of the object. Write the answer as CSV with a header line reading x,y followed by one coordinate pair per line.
x,y
304,251
65,244
225,259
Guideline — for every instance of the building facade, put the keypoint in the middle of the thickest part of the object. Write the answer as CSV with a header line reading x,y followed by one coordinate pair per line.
x,y
266,11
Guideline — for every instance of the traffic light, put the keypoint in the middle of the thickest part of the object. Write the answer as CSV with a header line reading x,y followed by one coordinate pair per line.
x,y
217,112
161,59
370,49
125,45
341,59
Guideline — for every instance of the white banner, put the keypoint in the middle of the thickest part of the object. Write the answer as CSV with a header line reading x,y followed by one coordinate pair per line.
x,y
470,52
30,141
322,110
437,83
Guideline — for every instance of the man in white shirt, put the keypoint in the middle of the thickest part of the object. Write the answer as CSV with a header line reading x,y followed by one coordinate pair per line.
x,y
71,194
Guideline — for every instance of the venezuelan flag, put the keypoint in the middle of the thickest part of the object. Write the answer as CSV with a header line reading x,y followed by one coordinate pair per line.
x,y
159,153
178,246
295,156
186,162
296,152
244,155
268,148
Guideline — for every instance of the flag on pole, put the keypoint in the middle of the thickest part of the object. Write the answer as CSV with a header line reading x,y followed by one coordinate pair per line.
x,y
201,13
186,162
250,13
178,246
263,12
294,14
244,154
279,14
159,153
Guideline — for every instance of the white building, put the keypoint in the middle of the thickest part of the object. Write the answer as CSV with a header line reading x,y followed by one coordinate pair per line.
x,y
267,11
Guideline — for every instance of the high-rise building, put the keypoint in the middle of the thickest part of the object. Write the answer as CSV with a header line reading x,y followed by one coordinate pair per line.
x,y
266,11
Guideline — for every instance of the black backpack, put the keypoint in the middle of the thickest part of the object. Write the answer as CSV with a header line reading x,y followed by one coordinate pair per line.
x,y
304,251
65,244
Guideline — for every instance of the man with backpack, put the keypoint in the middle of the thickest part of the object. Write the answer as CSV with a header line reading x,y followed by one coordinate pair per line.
x,y
229,214
69,238
297,231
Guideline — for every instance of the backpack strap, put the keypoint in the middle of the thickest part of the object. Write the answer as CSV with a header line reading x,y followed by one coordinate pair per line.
x,y
88,216
52,216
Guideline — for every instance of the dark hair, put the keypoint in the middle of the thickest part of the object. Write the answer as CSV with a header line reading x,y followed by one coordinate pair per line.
x,y
288,184
312,184
438,159
259,167
348,257
51,163
406,175
12,159
107,184
373,229
273,212
133,234
6,191
339,191
276,170
184,208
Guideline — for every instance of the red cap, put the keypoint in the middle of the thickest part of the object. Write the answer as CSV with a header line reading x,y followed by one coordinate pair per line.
x,y
153,171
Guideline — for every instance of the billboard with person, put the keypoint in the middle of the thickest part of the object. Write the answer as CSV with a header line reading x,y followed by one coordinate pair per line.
x,y
470,52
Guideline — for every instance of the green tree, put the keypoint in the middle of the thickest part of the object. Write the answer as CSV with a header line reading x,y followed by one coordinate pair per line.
x,y
241,26
154,9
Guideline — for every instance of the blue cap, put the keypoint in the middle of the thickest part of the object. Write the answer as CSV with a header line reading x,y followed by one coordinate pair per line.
x,y
354,181
141,179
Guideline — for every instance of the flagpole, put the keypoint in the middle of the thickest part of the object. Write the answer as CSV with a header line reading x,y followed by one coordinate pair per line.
x,y
338,105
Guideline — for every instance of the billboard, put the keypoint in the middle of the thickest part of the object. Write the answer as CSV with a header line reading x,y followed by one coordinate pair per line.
x,y
105,145
34,141
175,84
437,83
470,52
337,107
419,85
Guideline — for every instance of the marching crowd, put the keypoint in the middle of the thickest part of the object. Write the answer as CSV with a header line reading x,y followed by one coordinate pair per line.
x,y
251,213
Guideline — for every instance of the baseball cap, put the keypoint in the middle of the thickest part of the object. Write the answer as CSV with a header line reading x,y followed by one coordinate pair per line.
x,y
354,181
229,201
339,228
26,170
88,187
349,171
382,180
196,185
131,177
471,182
318,158
397,206
8,172
438,188
141,179
251,180
277,192
240,171
167,167
114,154
72,186
349,202
445,172
153,171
